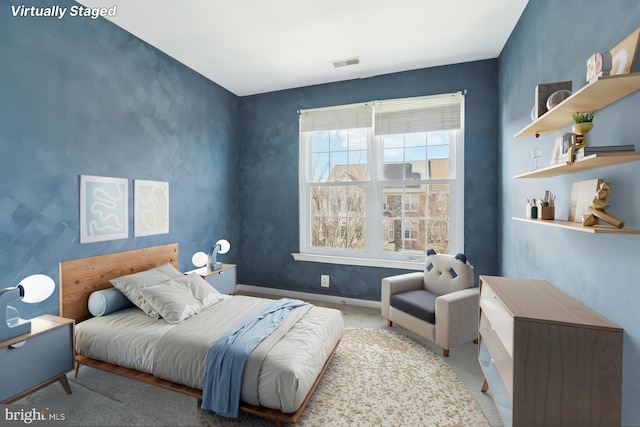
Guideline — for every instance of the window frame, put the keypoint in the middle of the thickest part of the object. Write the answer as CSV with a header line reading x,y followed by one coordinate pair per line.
x,y
373,255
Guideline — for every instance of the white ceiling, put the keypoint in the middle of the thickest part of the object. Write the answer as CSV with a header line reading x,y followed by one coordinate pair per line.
x,y
257,46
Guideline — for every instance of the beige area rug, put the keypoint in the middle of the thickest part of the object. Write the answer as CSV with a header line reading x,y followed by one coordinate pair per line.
x,y
381,378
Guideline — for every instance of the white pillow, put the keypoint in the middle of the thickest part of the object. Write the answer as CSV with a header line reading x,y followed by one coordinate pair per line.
x,y
172,300
131,284
169,270
200,289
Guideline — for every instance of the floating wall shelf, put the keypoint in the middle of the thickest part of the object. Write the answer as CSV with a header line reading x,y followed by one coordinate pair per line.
x,y
596,229
591,97
590,162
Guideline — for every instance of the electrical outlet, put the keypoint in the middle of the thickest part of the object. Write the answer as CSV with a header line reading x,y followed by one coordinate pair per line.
x,y
324,280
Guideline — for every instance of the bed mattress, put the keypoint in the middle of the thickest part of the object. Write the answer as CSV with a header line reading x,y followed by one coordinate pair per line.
x,y
278,374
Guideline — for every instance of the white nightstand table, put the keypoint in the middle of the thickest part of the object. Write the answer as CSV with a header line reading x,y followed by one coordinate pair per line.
x,y
34,360
224,279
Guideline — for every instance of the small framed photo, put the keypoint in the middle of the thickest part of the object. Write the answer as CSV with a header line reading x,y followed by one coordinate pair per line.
x,y
566,141
561,147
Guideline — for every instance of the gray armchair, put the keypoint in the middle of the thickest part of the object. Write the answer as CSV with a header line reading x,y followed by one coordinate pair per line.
x,y
439,304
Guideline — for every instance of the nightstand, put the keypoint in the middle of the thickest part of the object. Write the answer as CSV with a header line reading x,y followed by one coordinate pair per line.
x,y
32,361
224,280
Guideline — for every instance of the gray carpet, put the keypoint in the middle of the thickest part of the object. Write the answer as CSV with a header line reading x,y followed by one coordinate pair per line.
x,y
104,399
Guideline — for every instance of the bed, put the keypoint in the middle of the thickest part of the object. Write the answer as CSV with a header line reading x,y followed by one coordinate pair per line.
x,y
280,374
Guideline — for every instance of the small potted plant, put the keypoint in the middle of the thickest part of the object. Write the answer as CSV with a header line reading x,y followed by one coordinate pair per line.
x,y
582,122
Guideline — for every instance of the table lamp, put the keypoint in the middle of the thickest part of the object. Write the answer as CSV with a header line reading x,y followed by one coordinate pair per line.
x,y
222,246
199,259
32,289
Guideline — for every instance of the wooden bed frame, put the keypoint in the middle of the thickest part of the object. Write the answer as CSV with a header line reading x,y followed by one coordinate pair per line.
x,y
80,277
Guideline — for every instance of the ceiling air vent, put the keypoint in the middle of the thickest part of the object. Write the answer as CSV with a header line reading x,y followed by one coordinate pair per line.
x,y
346,62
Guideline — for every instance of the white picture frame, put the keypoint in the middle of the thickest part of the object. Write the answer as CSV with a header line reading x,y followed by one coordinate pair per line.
x,y
104,208
151,207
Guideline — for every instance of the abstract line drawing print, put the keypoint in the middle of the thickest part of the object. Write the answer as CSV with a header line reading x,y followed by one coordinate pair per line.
x,y
104,208
151,207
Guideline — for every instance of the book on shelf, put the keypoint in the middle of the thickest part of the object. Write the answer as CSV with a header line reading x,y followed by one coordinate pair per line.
x,y
587,151
606,149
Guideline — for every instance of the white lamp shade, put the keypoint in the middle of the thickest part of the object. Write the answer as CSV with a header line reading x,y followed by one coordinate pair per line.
x,y
224,246
199,259
37,287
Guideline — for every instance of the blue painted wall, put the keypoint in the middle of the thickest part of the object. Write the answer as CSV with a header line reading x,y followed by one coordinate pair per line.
x,y
81,96
268,175
552,43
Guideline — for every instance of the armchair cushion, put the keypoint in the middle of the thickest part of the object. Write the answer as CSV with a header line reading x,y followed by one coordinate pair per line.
x,y
419,303
444,273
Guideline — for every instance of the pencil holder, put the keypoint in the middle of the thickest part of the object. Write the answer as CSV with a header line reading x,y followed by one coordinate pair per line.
x,y
547,212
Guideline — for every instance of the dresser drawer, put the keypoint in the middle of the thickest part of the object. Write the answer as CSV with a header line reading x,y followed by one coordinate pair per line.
x,y
39,359
500,319
224,281
499,356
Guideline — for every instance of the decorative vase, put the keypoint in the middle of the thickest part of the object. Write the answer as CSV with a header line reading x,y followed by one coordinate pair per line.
x,y
582,128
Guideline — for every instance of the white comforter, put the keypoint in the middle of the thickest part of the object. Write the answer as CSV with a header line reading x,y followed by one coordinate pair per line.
x,y
278,374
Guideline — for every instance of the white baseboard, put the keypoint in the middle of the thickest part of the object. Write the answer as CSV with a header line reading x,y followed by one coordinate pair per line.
x,y
309,296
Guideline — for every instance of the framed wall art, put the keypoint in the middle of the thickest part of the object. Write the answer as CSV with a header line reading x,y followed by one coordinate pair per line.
x,y
582,194
624,54
151,207
104,208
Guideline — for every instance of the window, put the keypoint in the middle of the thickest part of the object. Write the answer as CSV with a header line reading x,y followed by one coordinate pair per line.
x,y
382,180
412,203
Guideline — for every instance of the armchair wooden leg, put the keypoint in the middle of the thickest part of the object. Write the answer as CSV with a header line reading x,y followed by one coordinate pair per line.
x,y
445,352
475,341
485,386
389,323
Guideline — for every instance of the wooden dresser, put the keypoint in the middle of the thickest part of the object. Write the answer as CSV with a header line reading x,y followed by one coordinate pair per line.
x,y
547,359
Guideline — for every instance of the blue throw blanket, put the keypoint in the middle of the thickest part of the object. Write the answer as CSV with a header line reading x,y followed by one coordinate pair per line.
x,y
228,355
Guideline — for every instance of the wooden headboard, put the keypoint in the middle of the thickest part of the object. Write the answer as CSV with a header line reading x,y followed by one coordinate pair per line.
x,y
80,277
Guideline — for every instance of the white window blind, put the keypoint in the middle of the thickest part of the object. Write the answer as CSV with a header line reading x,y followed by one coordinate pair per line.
x,y
420,114
344,117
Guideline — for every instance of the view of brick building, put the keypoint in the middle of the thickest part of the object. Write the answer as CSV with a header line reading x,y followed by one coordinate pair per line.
x,y
416,217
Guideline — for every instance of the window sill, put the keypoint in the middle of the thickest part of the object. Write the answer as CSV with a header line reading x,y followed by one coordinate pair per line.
x,y
363,262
